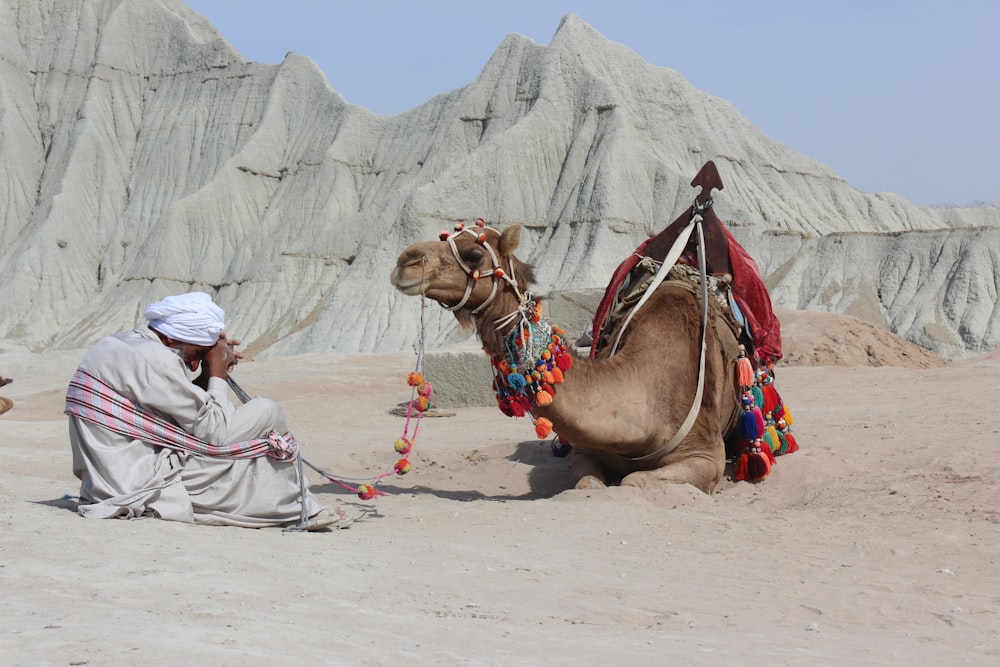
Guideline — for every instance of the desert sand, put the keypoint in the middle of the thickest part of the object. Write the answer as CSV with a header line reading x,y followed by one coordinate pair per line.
x,y
876,544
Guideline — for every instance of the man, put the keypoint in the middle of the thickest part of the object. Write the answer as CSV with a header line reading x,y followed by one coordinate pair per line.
x,y
147,440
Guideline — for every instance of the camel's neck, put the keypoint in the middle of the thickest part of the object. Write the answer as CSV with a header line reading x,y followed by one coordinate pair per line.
x,y
495,324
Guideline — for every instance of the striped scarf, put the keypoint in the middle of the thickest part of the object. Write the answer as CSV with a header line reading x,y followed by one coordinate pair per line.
x,y
90,399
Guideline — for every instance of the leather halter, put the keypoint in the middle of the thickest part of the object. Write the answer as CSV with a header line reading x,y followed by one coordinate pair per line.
x,y
496,272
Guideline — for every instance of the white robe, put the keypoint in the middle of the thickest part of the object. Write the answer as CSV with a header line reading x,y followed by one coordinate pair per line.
x,y
122,477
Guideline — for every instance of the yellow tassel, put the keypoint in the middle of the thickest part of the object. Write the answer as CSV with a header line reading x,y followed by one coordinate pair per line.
x,y
771,438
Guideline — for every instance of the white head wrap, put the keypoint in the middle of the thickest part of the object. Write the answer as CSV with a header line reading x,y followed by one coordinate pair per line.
x,y
190,318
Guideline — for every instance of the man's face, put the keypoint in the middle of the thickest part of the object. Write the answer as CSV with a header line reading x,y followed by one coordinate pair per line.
x,y
191,355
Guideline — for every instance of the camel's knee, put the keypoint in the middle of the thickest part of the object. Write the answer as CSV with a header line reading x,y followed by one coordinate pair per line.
x,y
590,483
700,473
588,473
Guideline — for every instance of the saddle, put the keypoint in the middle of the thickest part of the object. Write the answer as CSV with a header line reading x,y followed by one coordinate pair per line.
x,y
638,267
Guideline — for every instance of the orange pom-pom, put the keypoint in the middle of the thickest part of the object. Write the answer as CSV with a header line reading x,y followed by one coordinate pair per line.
x,y
543,427
366,492
557,375
498,272
415,379
423,403
402,467
543,398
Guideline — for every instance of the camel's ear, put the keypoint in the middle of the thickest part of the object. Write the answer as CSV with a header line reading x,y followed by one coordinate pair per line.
x,y
510,239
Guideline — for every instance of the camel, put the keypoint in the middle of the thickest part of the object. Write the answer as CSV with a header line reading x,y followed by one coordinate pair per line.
x,y
623,413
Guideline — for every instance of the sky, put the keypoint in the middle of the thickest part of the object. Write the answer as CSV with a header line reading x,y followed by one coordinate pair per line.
x,y
894,95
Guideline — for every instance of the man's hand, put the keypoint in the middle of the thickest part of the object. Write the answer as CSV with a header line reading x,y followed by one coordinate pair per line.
x,y
222,357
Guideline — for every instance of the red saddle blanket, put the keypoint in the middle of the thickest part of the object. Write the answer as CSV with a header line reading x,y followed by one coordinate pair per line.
x,y
749,291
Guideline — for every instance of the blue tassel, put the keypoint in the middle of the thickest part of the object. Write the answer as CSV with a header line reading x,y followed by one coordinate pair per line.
x,y
748,426
517,382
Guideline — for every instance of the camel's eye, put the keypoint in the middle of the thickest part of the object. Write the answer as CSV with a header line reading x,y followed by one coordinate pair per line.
x,y
472,256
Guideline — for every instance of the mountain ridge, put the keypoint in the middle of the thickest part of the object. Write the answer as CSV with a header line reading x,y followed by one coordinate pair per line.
x,y
142,156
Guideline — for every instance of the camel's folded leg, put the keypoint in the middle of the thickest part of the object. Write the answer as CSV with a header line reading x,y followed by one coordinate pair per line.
x,y
588,473
701,471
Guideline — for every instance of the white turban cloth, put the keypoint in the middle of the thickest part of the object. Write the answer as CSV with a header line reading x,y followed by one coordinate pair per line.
x,y
190,318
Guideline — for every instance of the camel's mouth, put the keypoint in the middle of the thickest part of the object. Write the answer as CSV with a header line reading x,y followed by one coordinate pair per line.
x,y
408,286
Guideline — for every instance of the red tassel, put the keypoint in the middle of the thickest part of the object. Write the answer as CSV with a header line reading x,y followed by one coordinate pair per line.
x,y
741,466
793,446
515,408
757,463
564,362
771,398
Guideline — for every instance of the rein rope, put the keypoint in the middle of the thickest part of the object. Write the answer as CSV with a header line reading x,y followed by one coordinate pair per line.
x,y
420,396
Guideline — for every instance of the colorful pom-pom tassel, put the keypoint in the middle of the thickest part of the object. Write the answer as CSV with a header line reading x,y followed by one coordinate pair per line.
x,y
415,379
402,467
744,369
753,464
771,438
517,382
748,425
366,492
543,428
543,398
403,445
771,398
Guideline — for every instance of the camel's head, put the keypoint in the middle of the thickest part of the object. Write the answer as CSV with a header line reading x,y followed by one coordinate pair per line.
x,y
465,270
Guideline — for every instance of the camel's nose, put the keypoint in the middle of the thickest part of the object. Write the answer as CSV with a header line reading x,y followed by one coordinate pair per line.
x,y
410,257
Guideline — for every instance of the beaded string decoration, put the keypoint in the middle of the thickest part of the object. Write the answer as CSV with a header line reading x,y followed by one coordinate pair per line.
x,y
421,393
534,361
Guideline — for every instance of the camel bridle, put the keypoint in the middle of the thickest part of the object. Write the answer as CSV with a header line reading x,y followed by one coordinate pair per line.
x,y
496,272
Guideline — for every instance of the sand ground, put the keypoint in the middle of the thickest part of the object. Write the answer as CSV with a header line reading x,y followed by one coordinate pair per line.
x,y
876,544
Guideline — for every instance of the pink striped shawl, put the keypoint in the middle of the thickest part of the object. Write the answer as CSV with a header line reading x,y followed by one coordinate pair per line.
x,y
90,399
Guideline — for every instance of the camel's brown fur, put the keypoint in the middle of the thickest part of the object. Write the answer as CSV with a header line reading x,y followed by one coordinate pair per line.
x,y
612,409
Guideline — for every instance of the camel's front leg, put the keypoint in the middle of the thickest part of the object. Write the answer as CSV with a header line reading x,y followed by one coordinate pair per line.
x,y
702,471
587,471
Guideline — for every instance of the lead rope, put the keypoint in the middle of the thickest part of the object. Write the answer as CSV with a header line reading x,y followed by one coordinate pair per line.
x,y
420,396
303,518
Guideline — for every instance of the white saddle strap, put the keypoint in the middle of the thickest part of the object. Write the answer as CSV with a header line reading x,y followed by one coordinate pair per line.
x,y
668,263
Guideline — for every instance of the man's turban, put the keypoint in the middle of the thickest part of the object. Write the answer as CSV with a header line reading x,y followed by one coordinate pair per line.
x,y
190,318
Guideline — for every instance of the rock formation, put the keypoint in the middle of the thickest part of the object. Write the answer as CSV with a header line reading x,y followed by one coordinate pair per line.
x,y
140,155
